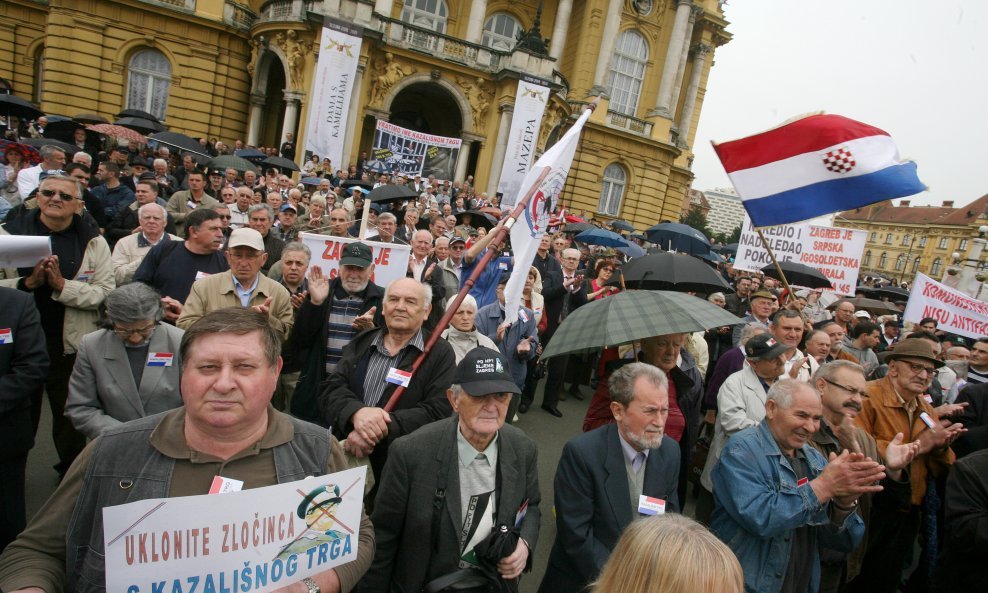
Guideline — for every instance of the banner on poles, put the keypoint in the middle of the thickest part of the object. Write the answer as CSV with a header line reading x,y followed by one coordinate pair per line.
x,y
955,312
254,540
332,86
414,153
836,252
530,102
390,259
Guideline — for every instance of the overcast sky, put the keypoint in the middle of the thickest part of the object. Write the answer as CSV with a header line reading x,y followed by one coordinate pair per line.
x,y
913,68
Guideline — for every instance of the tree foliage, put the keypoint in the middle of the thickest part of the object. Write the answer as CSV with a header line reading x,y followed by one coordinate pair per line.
x,y
696,219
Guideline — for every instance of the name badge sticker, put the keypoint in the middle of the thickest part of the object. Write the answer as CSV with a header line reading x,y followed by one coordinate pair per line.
x,y
191,205
651,506
85,276
523,314
399,377
200,275
802,482
223,485
6,336
160,359
928,398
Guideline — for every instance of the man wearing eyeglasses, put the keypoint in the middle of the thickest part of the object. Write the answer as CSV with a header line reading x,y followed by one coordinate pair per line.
x,y
897,404
243,285
68,287
842,386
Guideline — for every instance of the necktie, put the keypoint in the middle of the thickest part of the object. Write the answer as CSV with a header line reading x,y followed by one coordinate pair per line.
x,y
638,461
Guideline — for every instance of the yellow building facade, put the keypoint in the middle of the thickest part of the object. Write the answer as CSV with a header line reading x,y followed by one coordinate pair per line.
x,y
243,71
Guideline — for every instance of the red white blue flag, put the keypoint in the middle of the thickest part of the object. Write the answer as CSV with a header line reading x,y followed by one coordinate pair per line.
x,y
815,165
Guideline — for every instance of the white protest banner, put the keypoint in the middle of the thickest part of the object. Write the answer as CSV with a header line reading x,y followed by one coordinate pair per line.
x,y
390,259
414,153
255,540
835,252
23,251
526,119
325,129
955,312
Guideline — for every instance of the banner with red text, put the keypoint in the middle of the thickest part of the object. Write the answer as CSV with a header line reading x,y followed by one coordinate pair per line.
x,y
955,312
836,252
390,259
415,153
255,540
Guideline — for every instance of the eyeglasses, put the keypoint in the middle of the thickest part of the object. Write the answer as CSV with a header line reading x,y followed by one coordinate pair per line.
x,y
851,390
51,193
919,368
141,331
227,217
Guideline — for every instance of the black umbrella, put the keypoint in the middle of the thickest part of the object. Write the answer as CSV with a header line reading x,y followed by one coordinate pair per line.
x,y
671,271
282,163
179,141
391,193
140,124
893,293
69,149
251,154
90,118
729,248
228,161
12,105
139,113
65,130
673,236
500,544
798,274
477,219
622,225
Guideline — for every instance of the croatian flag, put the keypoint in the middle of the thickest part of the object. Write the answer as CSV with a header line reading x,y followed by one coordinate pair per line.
x,y
815,165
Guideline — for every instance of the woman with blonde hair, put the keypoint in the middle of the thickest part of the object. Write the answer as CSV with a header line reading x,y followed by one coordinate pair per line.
x,y
670,554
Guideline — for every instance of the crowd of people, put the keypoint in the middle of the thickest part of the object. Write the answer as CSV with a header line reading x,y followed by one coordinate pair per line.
x,y
182,324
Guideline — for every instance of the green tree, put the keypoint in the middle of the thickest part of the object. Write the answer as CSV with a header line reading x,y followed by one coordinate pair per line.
x,y
696,219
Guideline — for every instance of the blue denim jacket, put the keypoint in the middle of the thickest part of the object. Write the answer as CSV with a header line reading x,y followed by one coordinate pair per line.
x,y
759,506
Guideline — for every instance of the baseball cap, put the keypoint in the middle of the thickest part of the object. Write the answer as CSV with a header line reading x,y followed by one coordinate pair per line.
x,y
482,372
456,239
288,206
246,237
357,254
764,347
863,315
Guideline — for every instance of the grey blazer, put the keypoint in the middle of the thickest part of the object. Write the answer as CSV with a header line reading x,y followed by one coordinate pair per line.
x,y
403,510
102,393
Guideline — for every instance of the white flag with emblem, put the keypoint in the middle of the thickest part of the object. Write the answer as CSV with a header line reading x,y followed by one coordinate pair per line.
x,y
526,234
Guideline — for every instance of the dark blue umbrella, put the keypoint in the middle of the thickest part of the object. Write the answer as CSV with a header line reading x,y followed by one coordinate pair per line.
x,y
602,237
673,236
310,180
622,225
251,154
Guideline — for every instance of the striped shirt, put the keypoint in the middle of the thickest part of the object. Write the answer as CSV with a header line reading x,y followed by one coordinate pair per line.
x,y
342,312
381,361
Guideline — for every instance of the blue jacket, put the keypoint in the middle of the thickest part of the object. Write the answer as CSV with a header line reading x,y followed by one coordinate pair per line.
x,y
759,506
489,318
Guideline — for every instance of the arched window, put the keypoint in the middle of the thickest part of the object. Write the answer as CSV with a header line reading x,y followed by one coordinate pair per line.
x,y
900,262
867,258
884,259
150,77
39,73
935,270
627,72
612,190
428,14
501,32
916,265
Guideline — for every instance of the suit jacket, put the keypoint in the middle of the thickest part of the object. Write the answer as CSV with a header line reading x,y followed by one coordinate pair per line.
x,y
435,280
974,418
23,368
593,503
102,393
555,295
423,469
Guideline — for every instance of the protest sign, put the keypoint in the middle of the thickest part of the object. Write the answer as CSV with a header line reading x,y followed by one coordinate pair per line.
x,y
955,312
836,252
255,540
414,153
390,259
23,251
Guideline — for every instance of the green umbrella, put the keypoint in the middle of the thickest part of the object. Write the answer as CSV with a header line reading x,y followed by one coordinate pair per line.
x,y
229,161
631,316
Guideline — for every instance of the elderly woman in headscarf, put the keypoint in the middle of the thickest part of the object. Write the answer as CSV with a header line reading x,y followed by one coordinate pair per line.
x,y
462,332
129,369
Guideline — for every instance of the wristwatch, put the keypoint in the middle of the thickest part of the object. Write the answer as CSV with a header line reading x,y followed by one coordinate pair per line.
x,y
313,587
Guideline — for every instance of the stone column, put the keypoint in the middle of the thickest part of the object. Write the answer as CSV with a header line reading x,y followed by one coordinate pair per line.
x,y
383,7
462,159
681,71
503,129
353,116
475,25
559,29
673,56
292,100
686,118
257,101
611,25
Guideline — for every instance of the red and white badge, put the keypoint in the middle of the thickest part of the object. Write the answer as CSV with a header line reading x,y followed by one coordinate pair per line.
x,y
200,275
802,482
651,506
160,359
223,485
399,377
6,336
